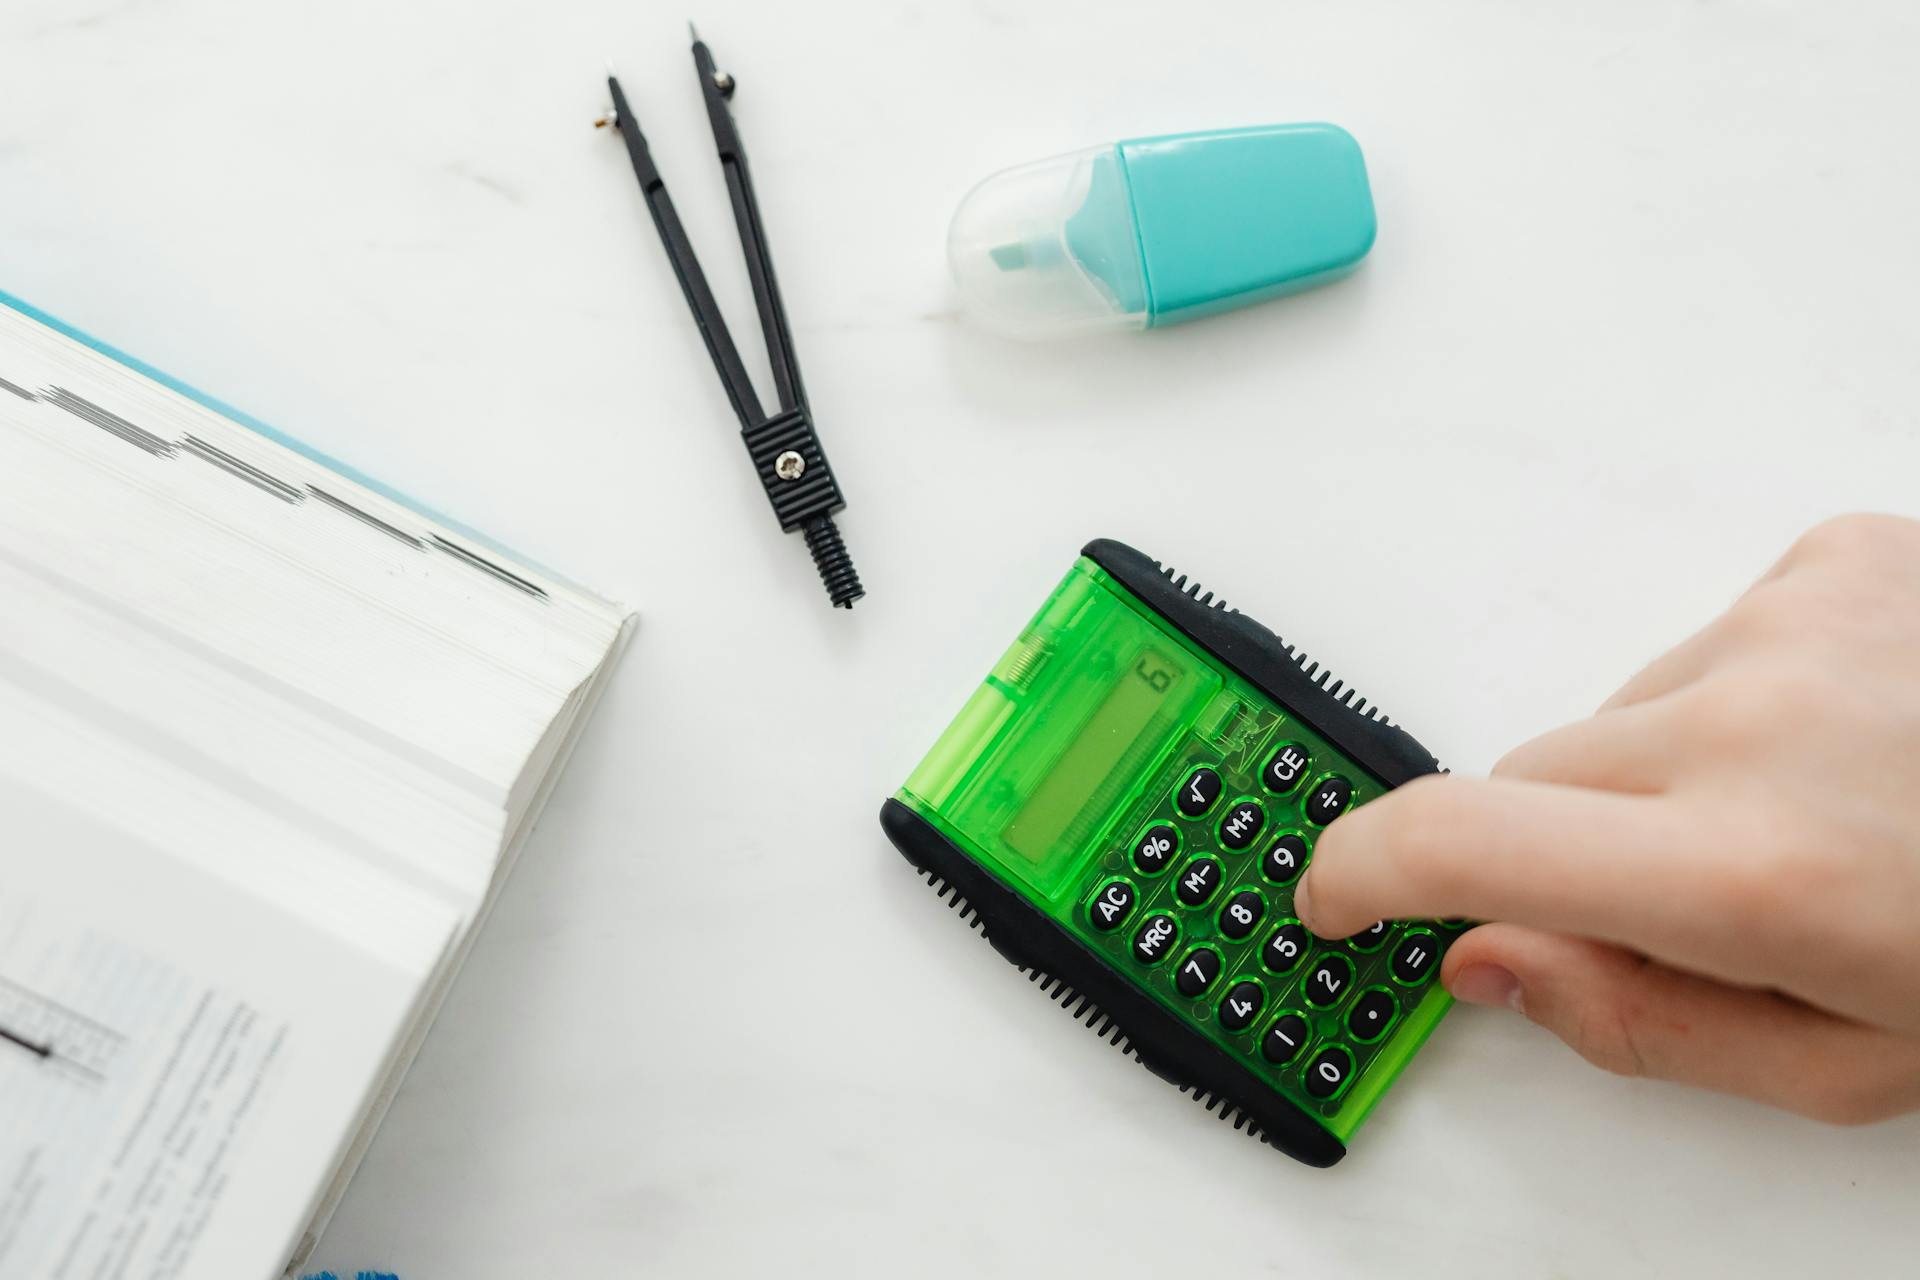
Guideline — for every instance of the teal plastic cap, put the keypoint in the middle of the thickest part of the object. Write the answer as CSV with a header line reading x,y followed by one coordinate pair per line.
x,y
1157,230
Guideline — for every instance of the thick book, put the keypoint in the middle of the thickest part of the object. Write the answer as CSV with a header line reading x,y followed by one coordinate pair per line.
x,y
270,739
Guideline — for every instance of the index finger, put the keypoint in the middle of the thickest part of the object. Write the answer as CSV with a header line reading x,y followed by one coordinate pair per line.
x,y
1627,869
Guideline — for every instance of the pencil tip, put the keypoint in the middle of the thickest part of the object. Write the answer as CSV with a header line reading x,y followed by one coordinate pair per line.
x,y
693,32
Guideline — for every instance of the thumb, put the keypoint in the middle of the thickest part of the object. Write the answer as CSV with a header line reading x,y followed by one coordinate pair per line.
x,y
1636,1017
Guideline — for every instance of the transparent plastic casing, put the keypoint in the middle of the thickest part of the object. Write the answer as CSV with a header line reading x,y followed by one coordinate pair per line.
x,y
1075,742
1050,249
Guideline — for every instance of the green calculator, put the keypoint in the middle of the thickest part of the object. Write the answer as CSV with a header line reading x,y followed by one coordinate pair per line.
x,y
1124,807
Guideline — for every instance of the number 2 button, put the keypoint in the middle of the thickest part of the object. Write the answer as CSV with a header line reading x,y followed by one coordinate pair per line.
x,y
1328,981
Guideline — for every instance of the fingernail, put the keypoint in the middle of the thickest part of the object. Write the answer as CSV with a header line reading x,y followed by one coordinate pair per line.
x,y
1302,905
1488,984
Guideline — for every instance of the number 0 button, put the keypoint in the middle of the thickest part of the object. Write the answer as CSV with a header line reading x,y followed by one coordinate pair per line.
x,y
1197,971
1111,909
1155,939
1327,1073
1198,792
1328,981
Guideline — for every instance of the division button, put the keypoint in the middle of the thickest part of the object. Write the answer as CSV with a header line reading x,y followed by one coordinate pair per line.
x,y
1198,792
1197,882
1329,800
1372,1014
1242,912
1156,937
1242,825
1284,1038
1285,860
1284,771
1327,1073
1197,971
1111,906
1414,958
1241,1006
1155,845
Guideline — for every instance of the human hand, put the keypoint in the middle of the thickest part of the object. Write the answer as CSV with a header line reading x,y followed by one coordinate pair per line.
x,y
1716,878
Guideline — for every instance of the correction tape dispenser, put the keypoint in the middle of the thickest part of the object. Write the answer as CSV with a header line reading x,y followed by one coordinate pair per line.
x,y
1150,232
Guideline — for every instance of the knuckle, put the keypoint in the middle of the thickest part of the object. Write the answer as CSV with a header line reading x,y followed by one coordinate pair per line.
x,y
1768,613
1722,710
1853,1102
1746,710
1762,884
1848,537
1604,1033
1413,831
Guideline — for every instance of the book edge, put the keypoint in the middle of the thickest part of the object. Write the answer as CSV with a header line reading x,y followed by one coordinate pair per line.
x,y
261,428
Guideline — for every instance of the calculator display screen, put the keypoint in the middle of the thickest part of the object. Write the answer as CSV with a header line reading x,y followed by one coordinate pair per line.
x,y
1076,793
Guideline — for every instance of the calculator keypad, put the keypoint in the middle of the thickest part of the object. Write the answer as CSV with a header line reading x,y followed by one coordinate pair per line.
x,y
1201,921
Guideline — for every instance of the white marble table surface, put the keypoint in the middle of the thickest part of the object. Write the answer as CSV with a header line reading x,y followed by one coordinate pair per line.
x,y
1641,309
